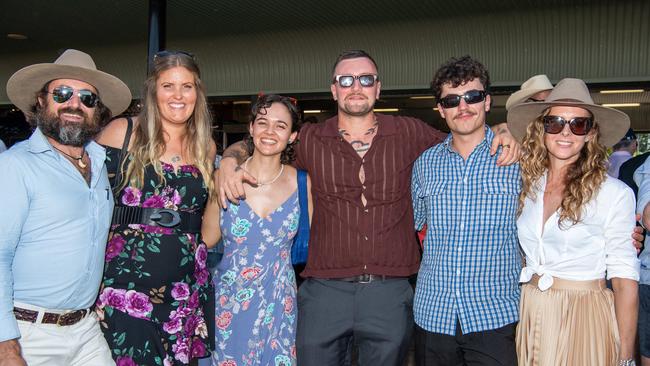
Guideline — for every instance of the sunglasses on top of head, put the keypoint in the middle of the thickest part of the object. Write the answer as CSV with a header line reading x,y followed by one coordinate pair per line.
x,y
346,81
471,97
64,93
579,126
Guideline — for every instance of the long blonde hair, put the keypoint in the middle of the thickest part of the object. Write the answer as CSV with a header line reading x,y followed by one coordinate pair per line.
x,y
583,178
148,143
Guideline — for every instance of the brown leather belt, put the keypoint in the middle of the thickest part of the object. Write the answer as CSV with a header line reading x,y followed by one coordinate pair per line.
x,y
64,319
367,278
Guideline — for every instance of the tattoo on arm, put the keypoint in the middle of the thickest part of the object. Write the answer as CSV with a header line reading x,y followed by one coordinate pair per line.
x,y
237,151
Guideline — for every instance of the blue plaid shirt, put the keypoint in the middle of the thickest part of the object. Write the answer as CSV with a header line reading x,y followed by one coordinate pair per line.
x,y
471,262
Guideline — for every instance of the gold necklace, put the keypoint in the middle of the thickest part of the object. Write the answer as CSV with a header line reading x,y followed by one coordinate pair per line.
x,y
79,159
269,182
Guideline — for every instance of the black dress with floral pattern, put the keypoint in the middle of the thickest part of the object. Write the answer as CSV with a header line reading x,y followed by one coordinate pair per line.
x,y
156,297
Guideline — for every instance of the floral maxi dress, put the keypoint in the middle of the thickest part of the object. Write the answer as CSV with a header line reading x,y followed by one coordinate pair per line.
x,y
256,287
156,286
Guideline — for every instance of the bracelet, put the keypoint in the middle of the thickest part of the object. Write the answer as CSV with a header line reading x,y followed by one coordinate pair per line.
x,y
627,362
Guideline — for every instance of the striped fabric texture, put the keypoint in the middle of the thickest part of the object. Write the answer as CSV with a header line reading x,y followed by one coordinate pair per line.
x,y
471,261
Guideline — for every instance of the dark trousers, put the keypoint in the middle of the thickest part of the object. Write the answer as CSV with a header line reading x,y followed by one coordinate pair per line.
x,y
376,316
491,347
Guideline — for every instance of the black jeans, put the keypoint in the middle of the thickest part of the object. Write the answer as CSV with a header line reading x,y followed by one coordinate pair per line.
x,y
376,316
492,347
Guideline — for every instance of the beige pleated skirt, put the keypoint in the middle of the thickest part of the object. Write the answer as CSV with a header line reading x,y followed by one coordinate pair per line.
x,y
572,323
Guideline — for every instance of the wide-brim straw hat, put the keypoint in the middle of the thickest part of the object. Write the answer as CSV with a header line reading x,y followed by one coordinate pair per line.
x,y
612,123
72,64
530,87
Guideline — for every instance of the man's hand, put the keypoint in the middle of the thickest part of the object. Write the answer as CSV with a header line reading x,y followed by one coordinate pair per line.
x,y
10,354
637,236
230,180
511,151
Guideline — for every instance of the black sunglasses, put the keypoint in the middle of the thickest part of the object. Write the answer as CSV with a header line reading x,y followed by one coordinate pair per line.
x,y
166,53
471,97
346,81
64,93
579,126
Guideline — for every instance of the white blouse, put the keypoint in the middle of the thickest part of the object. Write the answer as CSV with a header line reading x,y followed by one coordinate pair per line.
x,y
600,243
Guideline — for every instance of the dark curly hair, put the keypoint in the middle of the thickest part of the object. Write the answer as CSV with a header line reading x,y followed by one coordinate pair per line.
x,y
458,71
259,107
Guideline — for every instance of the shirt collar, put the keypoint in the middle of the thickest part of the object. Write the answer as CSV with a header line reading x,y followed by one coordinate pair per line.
x,y
38,143
387,126
487,141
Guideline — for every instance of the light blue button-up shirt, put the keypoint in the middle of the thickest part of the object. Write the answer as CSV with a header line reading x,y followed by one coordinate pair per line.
x,y
53,229
642,180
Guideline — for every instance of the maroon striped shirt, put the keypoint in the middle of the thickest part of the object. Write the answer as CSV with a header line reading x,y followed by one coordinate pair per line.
x,y
348,239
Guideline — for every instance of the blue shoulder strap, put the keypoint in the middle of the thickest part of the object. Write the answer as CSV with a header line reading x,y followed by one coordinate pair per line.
x,y
304,204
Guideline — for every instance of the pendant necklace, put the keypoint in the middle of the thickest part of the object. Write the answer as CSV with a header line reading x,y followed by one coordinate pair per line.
x,y
269,182
79,159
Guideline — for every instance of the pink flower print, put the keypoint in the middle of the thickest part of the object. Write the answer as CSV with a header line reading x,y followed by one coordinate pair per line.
x,y
138,304
288,304
191,169
223,320
191,323
125,361
113,297
173,326
168,168
154,201
180,291
228,363
176,198
223,299
168,361
131,196
181,350
114,247
249,273
156,229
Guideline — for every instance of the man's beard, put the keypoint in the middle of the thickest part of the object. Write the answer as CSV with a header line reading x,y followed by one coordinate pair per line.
x,y
64,132
356,110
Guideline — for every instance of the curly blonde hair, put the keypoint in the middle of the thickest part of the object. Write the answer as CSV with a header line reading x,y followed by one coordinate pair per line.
x,y
148,138
583,179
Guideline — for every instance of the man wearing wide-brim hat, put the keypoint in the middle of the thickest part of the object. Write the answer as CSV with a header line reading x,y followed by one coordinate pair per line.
x,y
57,206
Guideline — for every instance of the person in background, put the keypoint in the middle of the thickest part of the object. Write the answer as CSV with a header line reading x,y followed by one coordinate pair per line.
x,y
622,152
642,179
156,294
255,282
573,226
535,89
56,213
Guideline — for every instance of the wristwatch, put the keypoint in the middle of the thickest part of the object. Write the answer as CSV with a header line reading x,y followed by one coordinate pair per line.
x,y
628,362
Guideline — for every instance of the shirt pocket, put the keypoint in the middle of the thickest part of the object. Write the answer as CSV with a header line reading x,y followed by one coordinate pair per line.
x,y
435,194
499,201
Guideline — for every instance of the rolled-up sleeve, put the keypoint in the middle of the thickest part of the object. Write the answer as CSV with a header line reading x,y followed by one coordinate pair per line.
x,y
642,180
419,205
15,201
621,259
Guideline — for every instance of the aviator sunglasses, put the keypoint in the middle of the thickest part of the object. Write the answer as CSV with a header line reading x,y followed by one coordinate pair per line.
x,y
471,97
63,93
579,126
346,81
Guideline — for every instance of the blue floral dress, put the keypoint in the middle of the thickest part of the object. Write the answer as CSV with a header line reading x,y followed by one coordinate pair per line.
x,y
256,287
156,291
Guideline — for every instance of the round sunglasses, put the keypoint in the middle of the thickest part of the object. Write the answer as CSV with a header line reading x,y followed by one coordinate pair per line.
x,y
579,126
64,93
471,97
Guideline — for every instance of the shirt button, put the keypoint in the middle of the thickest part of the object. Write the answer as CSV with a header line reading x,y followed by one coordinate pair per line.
x,y
457,293
462,225
364,187
366,210
458,272
460,249
365,237
465,180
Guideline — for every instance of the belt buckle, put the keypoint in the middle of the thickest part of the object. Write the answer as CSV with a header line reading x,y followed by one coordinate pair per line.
x,y
365,278
175,217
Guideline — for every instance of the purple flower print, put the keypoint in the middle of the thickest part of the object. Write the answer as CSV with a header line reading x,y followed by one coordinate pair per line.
x,y
193,301
131,196
113,297
125,361
138,304
173,326
202,276
201,256
155,229
198,348
154,201
181,350
180,291
191,169
114,247
191,324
